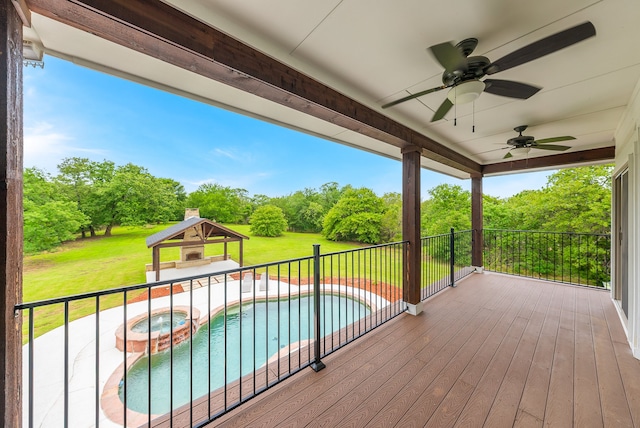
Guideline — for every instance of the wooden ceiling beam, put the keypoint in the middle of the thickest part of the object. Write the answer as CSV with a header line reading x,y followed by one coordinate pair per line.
x,y
584,156
156,29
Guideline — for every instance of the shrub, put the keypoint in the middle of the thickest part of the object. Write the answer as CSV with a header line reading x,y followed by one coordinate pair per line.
x,y
357,216
268,220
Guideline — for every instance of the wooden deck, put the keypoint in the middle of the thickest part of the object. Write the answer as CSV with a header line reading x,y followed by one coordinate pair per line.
x,y
496,351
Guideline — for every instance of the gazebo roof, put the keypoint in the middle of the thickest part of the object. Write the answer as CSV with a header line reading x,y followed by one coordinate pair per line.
x,y
177,231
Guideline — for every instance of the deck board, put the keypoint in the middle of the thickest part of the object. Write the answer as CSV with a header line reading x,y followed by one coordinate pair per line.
x,y
615,408
505,407
498,350
534,396
586,405
560,397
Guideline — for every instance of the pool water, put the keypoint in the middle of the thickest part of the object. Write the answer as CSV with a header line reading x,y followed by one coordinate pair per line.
x,y
273,331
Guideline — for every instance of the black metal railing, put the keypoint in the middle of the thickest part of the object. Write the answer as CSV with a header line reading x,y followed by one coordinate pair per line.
x,y
373,274
184,352
445,259
574,258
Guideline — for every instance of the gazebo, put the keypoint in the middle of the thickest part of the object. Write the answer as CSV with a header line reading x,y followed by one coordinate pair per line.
x,y
191,235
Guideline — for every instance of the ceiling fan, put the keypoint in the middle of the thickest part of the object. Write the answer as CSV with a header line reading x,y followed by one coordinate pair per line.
x,y
522,144
463,73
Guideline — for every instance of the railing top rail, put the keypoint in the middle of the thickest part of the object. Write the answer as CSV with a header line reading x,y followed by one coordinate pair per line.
x,y
447,234
436,236
371,247
548,232
456,232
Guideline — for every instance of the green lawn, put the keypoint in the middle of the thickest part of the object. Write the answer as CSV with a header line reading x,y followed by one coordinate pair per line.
x,y
103,263
107,262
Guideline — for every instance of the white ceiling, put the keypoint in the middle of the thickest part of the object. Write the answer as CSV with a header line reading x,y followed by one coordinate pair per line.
x,y
375,51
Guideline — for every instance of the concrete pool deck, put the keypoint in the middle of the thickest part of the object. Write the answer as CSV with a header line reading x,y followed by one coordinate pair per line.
x,y
48,349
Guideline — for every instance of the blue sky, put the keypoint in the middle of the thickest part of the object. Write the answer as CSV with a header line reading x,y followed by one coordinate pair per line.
x,y
74,111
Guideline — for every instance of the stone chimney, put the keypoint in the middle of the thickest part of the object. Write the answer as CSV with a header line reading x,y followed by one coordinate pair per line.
x,y
191,212
192,253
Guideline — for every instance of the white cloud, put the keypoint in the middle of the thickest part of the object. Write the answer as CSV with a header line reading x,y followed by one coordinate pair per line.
x,y
226,153
190,185
245,158
45,146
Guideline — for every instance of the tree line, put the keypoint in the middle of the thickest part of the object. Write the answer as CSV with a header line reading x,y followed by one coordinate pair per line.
x,y
573,200
86,197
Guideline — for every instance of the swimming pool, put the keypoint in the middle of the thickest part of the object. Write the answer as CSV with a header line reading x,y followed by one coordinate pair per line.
x,y
277,325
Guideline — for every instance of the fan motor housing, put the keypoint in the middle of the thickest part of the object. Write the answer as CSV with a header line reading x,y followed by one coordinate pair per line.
x,y
475,70
521,141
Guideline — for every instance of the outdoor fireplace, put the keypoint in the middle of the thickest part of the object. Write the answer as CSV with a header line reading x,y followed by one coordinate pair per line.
x,y
192,252
194,256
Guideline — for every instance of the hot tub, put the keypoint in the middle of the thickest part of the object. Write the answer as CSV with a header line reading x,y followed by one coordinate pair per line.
x,y
164,326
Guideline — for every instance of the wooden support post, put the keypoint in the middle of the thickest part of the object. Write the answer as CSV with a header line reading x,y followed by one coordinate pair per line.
x,y
411,226
156,262
241,256
11,149
477,218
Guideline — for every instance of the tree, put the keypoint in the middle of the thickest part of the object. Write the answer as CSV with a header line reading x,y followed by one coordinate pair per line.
x,y
330,194
391,223
219,203
302,210
134,197
49,219
80,179
496,214
305,209
448,206
575,200
252,204
578,200
357,216
180,203
312,217
268,220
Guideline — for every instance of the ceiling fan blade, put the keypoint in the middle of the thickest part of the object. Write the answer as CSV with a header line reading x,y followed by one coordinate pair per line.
x,y
552,147
508,155
412,96
442,110
492,150
449,57
509,88
543,47
554,139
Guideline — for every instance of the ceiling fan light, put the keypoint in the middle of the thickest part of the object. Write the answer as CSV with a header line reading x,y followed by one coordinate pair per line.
x,y
520,151
465,92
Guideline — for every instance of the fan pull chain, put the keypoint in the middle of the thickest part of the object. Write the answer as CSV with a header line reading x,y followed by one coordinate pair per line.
x,y
473,118
455,106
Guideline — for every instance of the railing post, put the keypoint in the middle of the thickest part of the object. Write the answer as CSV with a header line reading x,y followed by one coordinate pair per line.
x,y
317,365
452,257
